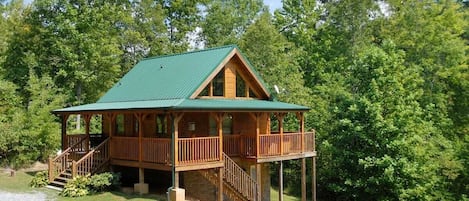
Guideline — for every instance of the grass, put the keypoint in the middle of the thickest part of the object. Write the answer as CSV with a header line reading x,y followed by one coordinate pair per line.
x,y
20,184
274,196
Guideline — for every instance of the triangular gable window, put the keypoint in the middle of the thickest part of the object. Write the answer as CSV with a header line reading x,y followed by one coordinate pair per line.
x,y
216,86
240,87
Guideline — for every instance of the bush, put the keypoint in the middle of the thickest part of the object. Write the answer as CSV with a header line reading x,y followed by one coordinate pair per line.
x,y
40,179
77,187
104,181
84,185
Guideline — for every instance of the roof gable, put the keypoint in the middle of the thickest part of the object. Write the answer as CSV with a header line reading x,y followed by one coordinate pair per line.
x,y
166,77
179,76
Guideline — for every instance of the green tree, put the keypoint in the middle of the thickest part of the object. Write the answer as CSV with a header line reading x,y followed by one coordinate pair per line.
x,y
225,22
64,40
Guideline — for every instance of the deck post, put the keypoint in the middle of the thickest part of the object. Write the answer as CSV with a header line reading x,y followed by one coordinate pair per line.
x,y
303,179
220,184
258,133
259,181
175,118
280,182
280,117
87,131
112,118
314,178
64,131
301,118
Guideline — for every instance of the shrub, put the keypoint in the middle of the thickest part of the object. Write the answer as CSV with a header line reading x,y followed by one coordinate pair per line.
x,y
104,181
40,179
78,186
84,185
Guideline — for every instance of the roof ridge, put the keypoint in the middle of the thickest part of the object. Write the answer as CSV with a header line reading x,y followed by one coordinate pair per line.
x,y
191,52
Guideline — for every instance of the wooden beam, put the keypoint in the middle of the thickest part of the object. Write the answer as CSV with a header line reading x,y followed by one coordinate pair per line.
x,y
301,118
140,117
280,182
280,117
303,179
313,178
87,118
64,131
220,184
259,181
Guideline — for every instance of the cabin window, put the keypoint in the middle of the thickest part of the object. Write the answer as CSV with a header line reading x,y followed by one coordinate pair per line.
x,y
240,86
161,123
252,94
227,125
205,92
120,124
218,84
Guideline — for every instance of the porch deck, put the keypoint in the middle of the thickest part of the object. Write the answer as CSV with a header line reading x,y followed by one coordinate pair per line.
x,y
155,153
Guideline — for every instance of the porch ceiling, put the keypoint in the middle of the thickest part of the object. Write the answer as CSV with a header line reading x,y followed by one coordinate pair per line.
x,y
189,104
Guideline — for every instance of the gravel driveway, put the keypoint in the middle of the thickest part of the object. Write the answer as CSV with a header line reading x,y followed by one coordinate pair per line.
x,y
33,196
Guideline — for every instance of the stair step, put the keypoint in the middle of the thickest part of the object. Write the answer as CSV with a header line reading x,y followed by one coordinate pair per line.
x,y
58,183
54,188
62,178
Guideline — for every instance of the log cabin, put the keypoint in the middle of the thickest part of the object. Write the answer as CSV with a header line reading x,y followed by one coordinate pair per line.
x,y
205,118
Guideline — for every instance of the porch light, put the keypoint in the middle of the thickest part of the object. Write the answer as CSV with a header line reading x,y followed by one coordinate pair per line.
x,y
191,126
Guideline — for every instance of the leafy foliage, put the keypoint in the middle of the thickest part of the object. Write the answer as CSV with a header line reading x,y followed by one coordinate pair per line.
x,y
40,179
85,185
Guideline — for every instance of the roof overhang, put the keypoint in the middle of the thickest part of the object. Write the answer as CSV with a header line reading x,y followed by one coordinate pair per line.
x,y
238,105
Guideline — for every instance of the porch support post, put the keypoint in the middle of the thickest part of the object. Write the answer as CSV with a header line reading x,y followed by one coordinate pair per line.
x,y
87,131
220,184
301,118
280,182
280,117
111,118
258,133
175,117
219,118
259,181
314,178
64,118
303,179
141,186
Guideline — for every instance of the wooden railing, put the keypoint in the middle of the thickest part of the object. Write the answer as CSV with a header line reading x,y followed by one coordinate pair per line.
x,y
62,162
291,143
92,161
124,148
232,145
269,145
157,150
72,140
237,178
310,141
198,150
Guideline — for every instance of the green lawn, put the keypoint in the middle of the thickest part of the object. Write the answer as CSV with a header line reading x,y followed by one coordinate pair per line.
x,y
274,196
20,184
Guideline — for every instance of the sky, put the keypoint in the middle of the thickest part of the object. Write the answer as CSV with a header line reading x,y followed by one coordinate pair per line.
x,y
273,4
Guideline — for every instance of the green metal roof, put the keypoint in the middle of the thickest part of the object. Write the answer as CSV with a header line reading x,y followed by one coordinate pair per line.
x,y
168,82
191,104
167,77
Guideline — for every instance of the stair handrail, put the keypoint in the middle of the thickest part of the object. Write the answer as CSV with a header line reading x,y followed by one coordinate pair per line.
x,y
62,159
237,178
90,162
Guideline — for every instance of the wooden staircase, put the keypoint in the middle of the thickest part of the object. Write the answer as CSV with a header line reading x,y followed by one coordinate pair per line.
x,y
76,161
237,184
